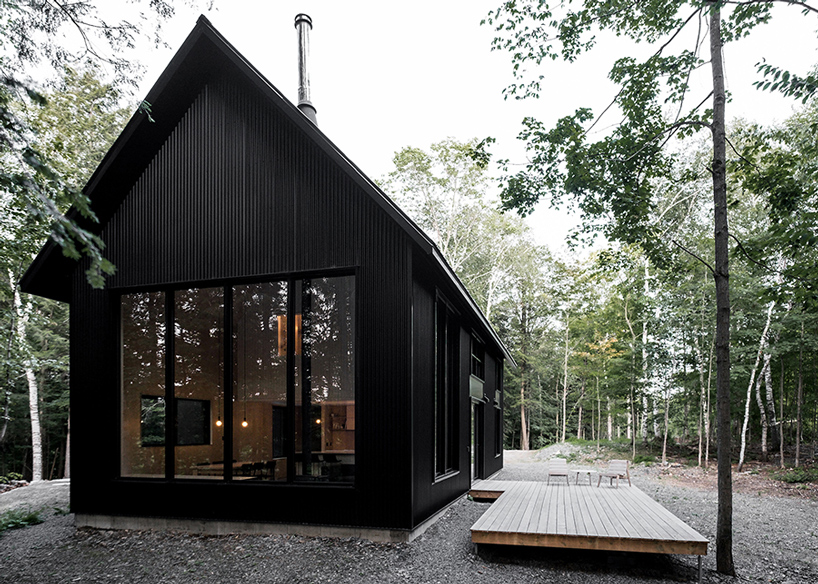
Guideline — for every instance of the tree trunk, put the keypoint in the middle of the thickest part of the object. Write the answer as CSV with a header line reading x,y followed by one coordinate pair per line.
x,y
565,382
800,397
762,344
667,419
768,390
708,405
761,407
8,384
781,418
524,438
610,420
580,432
702,401
22,314
657,429
724,523
67,472
644,386
598,415
643,419
557,410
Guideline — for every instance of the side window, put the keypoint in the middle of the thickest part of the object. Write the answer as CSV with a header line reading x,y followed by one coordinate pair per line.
x,y
478,359
447,351
498,410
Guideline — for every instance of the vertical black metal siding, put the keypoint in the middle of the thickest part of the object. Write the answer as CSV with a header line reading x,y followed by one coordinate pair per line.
x,y
237,191
94,412
430,494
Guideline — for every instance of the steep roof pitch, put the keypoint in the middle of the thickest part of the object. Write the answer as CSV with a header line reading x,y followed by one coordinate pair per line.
x,y
204,51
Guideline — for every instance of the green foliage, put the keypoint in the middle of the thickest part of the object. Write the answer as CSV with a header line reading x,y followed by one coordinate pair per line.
x,y
12,476
644,458
789,84
798,475
39,37
73,126
16,518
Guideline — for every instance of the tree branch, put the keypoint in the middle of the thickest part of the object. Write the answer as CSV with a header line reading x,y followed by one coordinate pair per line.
x,y
803,5
693,255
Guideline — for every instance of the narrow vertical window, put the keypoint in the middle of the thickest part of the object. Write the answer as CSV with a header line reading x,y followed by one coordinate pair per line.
x,y
447,346
498,409
142,398
260,380
198,381
325,379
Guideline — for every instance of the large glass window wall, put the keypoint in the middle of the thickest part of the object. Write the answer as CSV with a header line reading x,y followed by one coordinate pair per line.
x,y
261,386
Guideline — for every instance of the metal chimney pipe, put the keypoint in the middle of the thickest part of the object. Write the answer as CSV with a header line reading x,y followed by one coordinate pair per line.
x,y
303,25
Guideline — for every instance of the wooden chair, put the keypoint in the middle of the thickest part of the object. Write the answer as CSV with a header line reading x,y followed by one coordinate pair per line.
x,y
616,469
558,467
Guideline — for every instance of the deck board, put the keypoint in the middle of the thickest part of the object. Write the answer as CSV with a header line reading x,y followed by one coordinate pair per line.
x,y
532,513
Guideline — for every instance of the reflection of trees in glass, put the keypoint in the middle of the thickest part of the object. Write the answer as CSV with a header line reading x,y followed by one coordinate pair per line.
x,y
259,314
199,350
143,341
153,421
328,328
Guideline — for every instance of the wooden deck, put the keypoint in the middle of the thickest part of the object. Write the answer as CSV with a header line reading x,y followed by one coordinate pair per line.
x,y
579,516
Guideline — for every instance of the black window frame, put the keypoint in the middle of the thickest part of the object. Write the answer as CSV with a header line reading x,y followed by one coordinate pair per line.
x,y
170,399
446,389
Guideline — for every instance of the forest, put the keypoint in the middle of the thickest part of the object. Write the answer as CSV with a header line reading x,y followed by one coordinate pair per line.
x,y
614,335
612,346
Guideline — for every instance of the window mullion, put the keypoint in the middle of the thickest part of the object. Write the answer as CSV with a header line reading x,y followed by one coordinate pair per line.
x,y
170,373
289,433
227,388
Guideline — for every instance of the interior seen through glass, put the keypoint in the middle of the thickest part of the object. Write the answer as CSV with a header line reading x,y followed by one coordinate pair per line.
x,y
142,416
312,438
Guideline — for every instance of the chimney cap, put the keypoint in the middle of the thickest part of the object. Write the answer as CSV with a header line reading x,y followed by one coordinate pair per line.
x,y
299,18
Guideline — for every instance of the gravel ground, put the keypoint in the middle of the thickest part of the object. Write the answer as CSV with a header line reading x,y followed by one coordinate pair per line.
x,y
775,540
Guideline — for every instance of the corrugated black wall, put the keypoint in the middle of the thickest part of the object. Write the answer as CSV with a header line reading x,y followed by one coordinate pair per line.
x,y
238,191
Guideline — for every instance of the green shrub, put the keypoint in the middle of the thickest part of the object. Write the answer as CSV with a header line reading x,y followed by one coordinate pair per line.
x,y
798,475
646,458
19,518
581,442
12,476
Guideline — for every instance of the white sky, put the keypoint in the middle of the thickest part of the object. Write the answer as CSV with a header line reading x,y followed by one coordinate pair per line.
x,y
386,75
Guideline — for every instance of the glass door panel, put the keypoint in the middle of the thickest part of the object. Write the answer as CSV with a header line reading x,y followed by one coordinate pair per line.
x,y
142,329
260,381
325,380
198,382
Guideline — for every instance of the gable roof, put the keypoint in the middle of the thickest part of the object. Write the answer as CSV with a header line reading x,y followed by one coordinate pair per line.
x,y
204,52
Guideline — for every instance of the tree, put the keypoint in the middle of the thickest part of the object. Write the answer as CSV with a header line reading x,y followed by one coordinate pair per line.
x,y
36,35
72,127
613,180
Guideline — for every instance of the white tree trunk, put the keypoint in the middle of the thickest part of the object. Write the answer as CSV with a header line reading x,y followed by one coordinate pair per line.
x,y
762,408
22,314
67,472
762,344
610,420
657,431
667,420
768,390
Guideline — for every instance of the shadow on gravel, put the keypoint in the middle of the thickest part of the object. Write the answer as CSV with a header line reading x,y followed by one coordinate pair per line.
x,y
643,566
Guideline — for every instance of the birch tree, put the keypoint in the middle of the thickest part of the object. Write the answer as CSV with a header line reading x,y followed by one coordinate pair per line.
x,y
21,317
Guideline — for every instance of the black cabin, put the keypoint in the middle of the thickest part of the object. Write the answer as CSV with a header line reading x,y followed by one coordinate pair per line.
x,y
281,348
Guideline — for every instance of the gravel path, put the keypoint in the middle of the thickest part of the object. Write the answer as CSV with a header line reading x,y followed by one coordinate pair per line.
x,y
775,540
